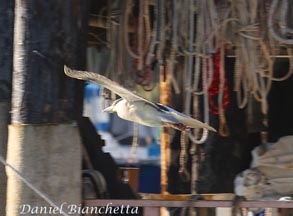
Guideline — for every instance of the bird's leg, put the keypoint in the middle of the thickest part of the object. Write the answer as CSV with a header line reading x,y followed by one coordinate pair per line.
x,y
178,126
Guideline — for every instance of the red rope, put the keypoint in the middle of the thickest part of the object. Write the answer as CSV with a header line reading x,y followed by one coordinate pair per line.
x,y
214,87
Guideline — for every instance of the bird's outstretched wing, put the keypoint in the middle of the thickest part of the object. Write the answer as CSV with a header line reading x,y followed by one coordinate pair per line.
x,y
106,83
174,116
184,119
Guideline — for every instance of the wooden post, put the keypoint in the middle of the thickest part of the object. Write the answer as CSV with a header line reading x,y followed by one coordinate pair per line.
x,y
165,98
44,144
6,47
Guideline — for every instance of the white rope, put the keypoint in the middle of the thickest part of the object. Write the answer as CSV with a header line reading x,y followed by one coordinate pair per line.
x,y
135,140
140,35
223,124
146,16
172,59
154,41
252,56
290,72
205,132
257,30
31,186
271,24
162,35
126,33
183,157
188,83
188,65
199,39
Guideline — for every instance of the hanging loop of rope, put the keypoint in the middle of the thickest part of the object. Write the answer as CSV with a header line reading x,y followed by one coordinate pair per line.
x,y
271,25
183,172
135,140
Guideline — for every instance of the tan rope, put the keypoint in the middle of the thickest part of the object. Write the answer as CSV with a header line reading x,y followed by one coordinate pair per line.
x,y
133,152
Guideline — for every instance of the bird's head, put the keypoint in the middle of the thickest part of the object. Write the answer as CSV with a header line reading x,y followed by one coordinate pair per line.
x,y
112,108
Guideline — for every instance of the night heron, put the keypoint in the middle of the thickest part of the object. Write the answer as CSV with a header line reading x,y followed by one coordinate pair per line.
x,y
135,108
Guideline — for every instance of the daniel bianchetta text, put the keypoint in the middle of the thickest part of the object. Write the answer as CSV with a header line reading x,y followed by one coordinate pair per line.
x,y
71,209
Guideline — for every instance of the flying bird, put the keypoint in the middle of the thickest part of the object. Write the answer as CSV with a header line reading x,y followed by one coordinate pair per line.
x,y
135,108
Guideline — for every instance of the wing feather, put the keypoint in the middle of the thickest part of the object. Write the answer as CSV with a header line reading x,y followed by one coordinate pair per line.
x,y
105,82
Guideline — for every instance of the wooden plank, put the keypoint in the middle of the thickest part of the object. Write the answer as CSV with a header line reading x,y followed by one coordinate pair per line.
x,y
151,211
196,204
220,196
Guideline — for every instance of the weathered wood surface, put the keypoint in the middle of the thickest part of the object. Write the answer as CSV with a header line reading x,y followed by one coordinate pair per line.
x,y
6,47
42,145
46,37
6,50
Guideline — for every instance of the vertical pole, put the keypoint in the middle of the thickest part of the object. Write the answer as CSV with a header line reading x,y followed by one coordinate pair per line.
x,y
43,143
6,47
165,98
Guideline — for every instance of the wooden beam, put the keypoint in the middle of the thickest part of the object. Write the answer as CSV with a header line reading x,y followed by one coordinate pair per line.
x,y
165,98
192,203
6,53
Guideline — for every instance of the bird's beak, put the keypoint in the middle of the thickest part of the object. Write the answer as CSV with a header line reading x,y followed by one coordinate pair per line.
x,y
109,109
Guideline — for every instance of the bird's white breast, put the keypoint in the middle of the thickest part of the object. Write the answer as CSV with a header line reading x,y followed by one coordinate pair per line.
x,y
138,111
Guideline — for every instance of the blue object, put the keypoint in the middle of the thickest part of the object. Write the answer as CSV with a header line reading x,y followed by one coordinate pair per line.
x,y
149,179
91,90
154,150
93,107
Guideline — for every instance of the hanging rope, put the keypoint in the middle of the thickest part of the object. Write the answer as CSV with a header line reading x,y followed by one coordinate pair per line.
x,y
224,131
133,152
197,33
183,172
272,15
196,62
173,51
214,88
